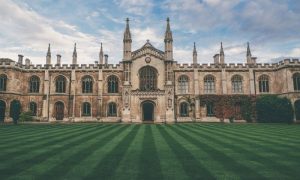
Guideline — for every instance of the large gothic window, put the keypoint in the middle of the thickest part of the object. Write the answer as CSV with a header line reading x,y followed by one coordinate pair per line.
x,y
86,109
112,84
3,81
60,84
209,84
87,84
184,109
263,83
112,109
148,78
34,84
183,84
296,80
33,108
237,84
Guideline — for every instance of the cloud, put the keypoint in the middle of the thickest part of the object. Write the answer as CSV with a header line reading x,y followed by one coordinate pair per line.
x,y
136,7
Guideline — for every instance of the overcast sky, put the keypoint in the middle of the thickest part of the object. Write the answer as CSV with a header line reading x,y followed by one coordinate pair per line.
x,y
271,26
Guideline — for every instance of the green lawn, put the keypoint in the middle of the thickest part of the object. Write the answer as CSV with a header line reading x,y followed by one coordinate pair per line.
x,y
148,151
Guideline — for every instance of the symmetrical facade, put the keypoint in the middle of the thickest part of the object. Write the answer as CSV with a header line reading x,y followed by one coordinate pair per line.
x,y
147,85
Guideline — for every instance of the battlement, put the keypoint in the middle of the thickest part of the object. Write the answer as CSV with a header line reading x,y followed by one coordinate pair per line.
x,y
61,66
184,66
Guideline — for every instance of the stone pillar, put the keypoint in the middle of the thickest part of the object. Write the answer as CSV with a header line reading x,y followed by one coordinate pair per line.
x,y
99,95
196,93
251,82
224,81
45,112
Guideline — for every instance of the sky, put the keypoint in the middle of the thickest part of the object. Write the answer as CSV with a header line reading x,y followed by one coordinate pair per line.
x,y
272,27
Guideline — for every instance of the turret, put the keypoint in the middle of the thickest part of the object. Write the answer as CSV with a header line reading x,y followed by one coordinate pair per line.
x,y
127,42
48,56
222,55
101,55
74,61
168,42
194,54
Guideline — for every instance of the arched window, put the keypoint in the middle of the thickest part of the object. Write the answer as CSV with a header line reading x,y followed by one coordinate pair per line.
x,y
183,84
184,109
112,83
33,108
112,109
237,84
87,84
148,78
209,84
60,84
263,83
296,80
3,81
34,84
210,109
86,109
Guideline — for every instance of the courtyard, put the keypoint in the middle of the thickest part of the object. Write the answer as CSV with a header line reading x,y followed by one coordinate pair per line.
x,y
149,151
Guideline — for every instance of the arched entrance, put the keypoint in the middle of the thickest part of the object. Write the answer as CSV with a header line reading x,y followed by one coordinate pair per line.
x,y
2,110
148,111
297,109
59,110
15,110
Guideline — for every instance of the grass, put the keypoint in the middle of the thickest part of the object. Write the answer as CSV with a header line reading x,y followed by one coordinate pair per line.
x,y
149,151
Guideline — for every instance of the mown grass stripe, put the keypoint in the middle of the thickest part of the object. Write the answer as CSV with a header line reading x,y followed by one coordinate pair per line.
x,y
257,138
107,166
75,154
230,165
26,152
39,157
192,168
36,142
243,154
33,137
170,165
129,165
149,165
263,149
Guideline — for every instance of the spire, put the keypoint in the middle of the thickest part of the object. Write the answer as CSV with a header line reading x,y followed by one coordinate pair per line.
x,y
248,50
221,50
194,54
222,55
194,51
75,52
49,52
168,34
127,34
101,55
127,42
48,56
74,55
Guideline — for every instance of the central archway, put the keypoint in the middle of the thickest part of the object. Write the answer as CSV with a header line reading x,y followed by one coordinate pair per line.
x,y
148,111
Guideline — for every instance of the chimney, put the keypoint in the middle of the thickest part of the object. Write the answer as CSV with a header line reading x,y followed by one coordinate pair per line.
x,y
27,62
20,60
106,59
58,59
216,58
253,59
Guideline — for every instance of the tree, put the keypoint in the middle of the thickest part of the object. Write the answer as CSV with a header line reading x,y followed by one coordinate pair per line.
x,y
274,109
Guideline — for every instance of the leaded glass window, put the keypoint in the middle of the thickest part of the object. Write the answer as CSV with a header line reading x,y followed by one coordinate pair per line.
x,y
237,84
87,84
183,84
263,83
34,84
148,79
209,84
60,84
112,83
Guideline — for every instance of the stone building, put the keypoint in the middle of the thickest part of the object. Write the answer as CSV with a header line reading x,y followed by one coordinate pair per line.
x,y
147,85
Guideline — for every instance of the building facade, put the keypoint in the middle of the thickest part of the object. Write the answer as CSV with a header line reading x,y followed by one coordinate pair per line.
x,y
147,85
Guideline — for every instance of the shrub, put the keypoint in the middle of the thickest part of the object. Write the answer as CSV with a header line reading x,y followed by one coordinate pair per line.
x,y
26,116
274,109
